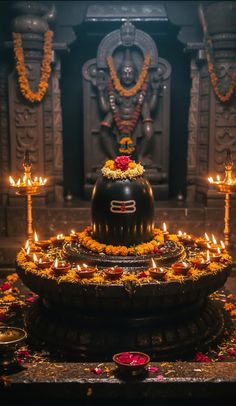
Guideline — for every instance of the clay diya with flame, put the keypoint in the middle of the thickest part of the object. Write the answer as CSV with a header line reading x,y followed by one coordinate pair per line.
x,y
44,262
185,238
201,261
58,240
113,273
41,243
156,272
165,232
60,267
85,271
73,236
181,268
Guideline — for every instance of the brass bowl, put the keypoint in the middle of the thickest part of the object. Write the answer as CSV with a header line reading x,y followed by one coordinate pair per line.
x,y
10,339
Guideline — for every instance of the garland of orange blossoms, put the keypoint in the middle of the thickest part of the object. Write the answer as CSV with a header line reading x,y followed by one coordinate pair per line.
x,y
88,242
136,88
45,67
213,76
126,145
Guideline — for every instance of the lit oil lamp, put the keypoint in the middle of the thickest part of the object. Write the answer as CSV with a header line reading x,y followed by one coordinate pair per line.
x,y
213,246
73,236
216,256
113,272
200,261
226,186
27,186
41,243
58,240
165,232
185,238
44,262
60,267
85,271
156,272
32,255
181,268
202,242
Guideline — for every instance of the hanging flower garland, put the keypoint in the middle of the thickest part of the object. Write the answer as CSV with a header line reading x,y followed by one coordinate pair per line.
x,y
45,67
136,88
126,145
126,127
224,95
212,69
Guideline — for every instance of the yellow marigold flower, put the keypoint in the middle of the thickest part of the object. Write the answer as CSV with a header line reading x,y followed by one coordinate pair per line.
x,y
13,277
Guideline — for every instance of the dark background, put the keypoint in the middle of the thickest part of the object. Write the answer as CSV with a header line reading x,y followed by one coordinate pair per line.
x,y
82,39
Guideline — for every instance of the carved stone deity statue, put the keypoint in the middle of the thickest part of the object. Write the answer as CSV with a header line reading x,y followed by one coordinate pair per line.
x,y
127,98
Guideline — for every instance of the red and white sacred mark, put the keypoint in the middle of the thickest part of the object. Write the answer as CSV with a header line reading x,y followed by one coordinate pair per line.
x,y
123,206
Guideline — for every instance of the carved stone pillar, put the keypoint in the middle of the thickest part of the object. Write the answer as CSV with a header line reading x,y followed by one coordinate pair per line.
x,y
35,126
215,128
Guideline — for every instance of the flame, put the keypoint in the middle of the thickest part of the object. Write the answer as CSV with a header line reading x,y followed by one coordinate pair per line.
x,y
214,239
78,267
45,181
210,180
85,265
27,244
28,250
29,182
35,237
218,178
153,263
73,232
206,237
222,244
60,236
40,180
11,180
161,269
40,260
18,182
56,263
35,257
208,255
180,233
164,227
219,250
189,237
36,179
208,245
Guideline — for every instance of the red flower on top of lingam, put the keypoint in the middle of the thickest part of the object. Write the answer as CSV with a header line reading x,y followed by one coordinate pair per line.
x,y
122,162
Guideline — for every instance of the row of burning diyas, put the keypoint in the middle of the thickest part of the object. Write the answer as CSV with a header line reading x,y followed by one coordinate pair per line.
x,y
56,241
201,242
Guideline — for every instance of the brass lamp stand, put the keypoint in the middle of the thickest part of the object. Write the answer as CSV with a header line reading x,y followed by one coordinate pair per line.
x,y
28,187
228,187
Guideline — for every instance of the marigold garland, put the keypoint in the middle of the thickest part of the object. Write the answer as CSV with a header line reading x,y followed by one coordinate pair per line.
x,y
88,242
213,76
133,170
142,77
45,67
126,145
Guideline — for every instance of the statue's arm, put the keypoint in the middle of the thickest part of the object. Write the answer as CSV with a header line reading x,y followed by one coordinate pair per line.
x,y
147,120
155,89
102,92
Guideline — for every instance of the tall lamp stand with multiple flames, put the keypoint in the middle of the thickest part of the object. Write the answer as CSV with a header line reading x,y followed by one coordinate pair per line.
x,y
27,186
226,186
